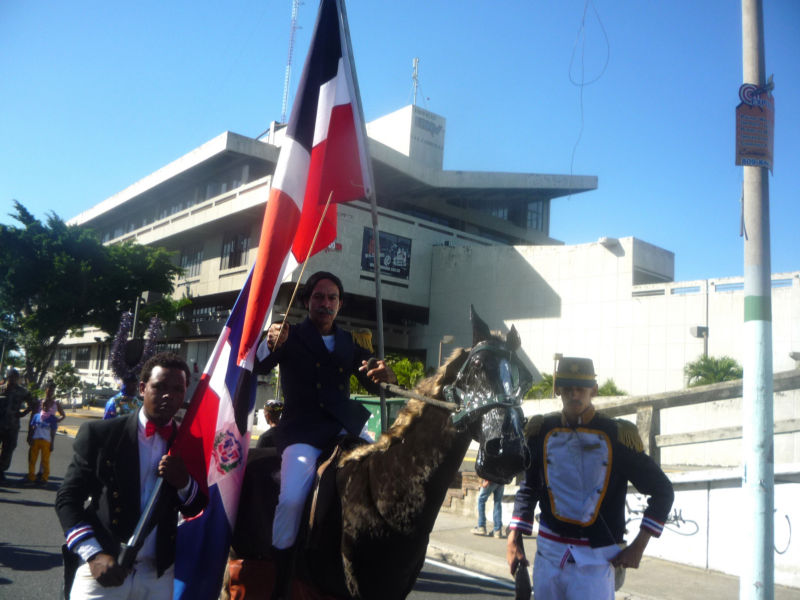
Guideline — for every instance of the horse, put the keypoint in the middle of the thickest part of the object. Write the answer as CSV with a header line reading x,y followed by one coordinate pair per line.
x,y
373,511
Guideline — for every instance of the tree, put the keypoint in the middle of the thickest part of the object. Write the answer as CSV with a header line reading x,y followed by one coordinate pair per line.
x,y
709,369
609,388
541,389
56,277
66,379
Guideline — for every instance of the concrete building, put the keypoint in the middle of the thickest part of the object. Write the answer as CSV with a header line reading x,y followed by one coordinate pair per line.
x,y
449,239
207,207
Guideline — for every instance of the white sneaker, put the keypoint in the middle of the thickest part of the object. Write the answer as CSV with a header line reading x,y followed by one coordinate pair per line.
x,y
478,530
498,533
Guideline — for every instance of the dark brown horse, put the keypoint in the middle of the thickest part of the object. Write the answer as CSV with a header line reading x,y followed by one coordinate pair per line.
x,y
373,517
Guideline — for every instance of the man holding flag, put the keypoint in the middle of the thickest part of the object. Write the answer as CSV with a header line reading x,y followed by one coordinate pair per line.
x,y
316,359
116,464
323,160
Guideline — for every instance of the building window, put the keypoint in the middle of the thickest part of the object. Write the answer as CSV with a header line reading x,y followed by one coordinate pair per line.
x,y
501,212
201,314
234,250
192,260
82,355
64,355
536,215
174,347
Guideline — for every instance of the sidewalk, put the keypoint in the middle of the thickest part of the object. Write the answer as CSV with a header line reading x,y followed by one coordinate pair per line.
x,y
451,542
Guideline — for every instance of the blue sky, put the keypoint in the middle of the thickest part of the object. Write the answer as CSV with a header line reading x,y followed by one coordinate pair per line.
x,y
95,95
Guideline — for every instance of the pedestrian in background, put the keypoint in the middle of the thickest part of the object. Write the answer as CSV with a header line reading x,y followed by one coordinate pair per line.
x,y
15,402
42,436
495,490
272,414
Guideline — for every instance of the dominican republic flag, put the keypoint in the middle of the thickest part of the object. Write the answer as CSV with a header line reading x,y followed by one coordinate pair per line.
x,y
323,153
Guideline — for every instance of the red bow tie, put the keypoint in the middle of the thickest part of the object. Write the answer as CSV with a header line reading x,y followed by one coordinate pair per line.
x,y
165,432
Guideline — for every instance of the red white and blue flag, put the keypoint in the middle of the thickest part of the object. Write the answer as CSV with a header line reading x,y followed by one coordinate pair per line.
x,y
323,153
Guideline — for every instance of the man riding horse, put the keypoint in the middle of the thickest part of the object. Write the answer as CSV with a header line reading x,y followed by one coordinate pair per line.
x,y
374,508
316,359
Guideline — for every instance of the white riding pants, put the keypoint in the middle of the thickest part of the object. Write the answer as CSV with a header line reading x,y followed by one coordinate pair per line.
x,y
298,469
142,583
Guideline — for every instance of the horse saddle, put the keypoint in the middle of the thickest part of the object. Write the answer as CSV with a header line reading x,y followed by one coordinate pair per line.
x,y
325,495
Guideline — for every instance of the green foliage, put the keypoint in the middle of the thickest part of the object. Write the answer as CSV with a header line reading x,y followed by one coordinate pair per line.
x,y
544,388
609,388
710,369
56,277
408,372
541,389
66,379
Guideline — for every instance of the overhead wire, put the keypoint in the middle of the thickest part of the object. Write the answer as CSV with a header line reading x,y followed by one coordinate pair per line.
x,y
582,83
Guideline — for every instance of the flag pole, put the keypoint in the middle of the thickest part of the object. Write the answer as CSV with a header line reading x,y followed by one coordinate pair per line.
x,y
370,196
305,262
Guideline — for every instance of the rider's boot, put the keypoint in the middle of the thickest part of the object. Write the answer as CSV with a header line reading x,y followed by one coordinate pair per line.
x,y
284,571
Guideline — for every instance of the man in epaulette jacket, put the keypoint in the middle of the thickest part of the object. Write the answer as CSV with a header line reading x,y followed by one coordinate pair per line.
x,y
581,464
316,359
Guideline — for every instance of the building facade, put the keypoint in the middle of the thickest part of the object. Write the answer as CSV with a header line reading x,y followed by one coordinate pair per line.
x,y
449,239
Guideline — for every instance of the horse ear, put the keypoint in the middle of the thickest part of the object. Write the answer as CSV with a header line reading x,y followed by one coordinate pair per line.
x,y
480,330
512,340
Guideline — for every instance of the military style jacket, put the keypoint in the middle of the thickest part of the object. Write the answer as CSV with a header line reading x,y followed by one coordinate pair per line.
x,y
316,386
105,468
579,477
13,399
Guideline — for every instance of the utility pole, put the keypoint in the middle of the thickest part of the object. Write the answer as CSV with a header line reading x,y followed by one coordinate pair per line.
x,y
757,579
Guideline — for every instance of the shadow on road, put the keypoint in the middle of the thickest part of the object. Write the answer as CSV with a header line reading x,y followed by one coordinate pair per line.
x,y
456,585
27,559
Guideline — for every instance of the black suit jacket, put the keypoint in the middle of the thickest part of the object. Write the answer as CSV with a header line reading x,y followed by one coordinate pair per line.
x,y
316,386
105,467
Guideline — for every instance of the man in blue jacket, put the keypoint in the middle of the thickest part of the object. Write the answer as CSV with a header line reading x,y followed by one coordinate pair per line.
x,y
316,359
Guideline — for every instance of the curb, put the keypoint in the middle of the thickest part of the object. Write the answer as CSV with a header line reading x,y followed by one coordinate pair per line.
x,y
483,562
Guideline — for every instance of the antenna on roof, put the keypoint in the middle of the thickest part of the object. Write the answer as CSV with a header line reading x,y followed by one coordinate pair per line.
x,y
415,79
287,76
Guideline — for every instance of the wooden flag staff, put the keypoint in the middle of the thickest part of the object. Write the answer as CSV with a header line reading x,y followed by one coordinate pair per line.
x,y
305,262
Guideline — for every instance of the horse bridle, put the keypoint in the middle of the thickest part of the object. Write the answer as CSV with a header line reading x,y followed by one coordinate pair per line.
x,y
468,403
462,402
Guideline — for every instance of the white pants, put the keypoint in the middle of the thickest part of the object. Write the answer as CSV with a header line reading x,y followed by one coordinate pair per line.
x,y
298,469
572,581
142,584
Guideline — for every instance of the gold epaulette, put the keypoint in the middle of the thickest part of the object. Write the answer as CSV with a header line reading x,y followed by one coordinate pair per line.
x,y
533,426
363,337
628,434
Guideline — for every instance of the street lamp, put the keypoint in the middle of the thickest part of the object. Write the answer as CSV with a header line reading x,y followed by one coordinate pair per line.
x,y
556,357
699,331
446,339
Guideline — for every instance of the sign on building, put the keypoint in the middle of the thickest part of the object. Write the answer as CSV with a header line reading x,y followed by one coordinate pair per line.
x,y
395,254
755,126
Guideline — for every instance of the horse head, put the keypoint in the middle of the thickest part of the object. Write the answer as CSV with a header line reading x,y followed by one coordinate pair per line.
x,y
488,390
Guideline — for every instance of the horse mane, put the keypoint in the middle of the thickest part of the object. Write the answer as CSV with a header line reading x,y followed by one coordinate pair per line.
x,y
431,387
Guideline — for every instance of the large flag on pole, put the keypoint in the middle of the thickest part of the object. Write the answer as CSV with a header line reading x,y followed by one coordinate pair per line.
x,y
323,153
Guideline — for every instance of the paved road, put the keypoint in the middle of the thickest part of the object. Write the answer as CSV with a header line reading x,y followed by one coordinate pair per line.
x,y
30,537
